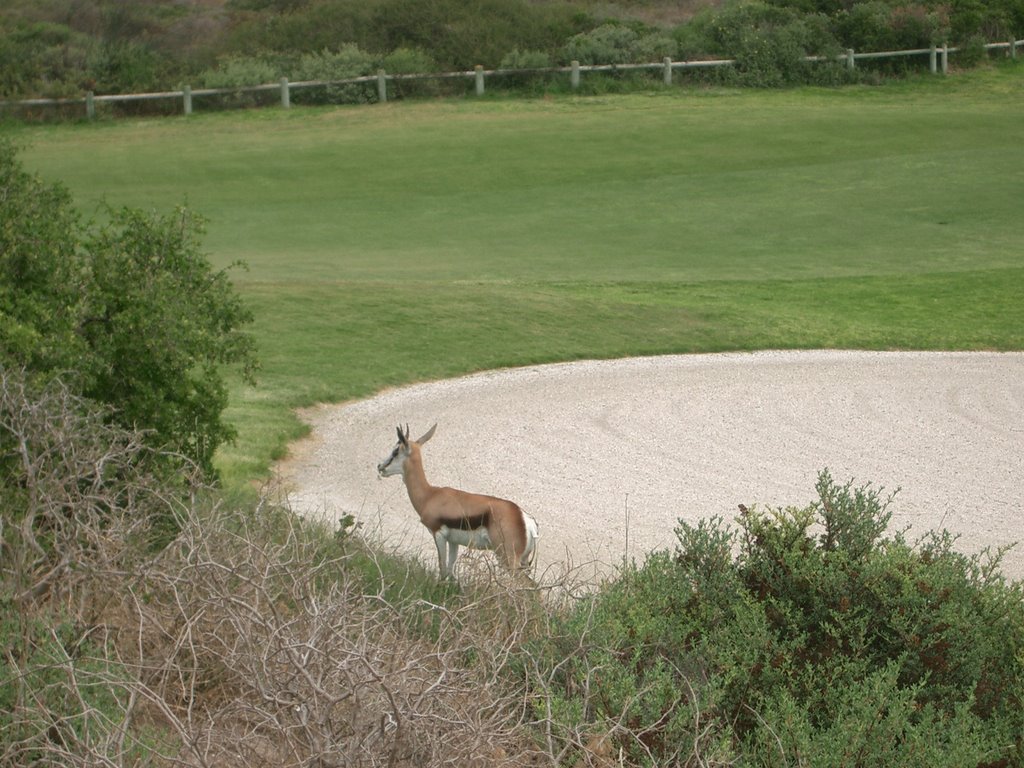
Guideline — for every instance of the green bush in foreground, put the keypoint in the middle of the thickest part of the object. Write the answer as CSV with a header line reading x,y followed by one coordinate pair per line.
x,y
130,314
805,636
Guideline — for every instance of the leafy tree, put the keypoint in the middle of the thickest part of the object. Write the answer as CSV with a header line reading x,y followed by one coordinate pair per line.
x,y
163,322
131,314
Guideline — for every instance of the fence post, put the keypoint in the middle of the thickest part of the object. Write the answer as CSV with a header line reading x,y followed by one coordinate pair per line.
x,y
286,94
933,65
478,74
90,106
382,87
945,58
574,76
1013,48
668,70
850,61
186,97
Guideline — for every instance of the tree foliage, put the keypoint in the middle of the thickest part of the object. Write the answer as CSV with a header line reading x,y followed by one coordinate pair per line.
x,y
130,314
39,270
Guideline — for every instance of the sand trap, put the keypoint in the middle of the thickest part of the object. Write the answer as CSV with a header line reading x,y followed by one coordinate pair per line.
x,y
579,444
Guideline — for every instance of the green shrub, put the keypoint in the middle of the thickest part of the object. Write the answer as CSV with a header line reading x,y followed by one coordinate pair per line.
x,y
291,28
345,63
43,59
971,52
131,314
879,26
125,67
803,635
528,82
608,44
769,43
40,305
239,72
408,61
993,20
411,61
517,59
461,35
619,44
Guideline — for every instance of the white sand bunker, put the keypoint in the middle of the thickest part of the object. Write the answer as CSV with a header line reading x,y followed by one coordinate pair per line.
x,y
579,445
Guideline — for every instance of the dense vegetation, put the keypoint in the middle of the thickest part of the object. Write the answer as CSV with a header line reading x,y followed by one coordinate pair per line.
x,y
130,314
802,637
58,49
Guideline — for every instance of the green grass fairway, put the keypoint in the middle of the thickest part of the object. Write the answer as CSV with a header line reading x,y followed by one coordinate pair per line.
x,y
388,244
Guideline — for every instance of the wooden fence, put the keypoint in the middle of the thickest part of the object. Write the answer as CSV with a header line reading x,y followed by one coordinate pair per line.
x,y
938,61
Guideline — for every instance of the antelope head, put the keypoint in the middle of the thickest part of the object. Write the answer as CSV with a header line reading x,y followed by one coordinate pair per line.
x,y
395,461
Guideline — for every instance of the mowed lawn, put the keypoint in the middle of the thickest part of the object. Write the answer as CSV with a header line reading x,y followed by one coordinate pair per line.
x,y
409,241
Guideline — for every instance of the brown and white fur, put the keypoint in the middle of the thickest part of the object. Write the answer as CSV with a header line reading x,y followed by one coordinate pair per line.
x,y
456,518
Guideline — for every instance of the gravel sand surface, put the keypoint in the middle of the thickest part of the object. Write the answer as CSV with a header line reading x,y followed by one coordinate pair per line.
x,y
582,445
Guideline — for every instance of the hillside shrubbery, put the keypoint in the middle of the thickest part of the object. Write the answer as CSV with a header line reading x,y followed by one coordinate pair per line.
x,y
145,46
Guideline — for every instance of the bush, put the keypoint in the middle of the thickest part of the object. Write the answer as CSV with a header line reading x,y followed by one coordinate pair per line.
x,y
459,35
242,72
879,26
292,28
408,61
971,52
62,698
161,324
125,67
517,59
805,635
239,72
619,44
993,20
526,60
248,638
131,315
345,63
40,270
43,59
79,511
770,44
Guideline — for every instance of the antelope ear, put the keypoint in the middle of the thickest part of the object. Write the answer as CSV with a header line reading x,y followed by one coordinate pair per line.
x,y
430,434
402,438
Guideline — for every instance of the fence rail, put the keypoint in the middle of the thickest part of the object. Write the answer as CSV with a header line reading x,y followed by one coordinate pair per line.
x,y
938,62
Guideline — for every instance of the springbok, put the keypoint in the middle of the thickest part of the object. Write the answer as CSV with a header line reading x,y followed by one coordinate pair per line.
x,y
456,518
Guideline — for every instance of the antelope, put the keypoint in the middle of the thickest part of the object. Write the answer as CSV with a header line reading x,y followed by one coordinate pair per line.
x,y
456,518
